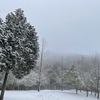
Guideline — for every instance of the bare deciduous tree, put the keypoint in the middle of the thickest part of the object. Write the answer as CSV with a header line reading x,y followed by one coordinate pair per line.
x,y
42,54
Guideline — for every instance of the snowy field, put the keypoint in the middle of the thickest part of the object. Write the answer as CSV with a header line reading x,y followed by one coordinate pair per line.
x,y
47,95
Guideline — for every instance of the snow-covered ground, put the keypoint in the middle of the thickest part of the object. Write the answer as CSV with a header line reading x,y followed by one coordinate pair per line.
x,y
47,95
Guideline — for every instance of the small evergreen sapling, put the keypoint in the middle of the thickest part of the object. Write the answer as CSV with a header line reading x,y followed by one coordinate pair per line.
x,y
71,78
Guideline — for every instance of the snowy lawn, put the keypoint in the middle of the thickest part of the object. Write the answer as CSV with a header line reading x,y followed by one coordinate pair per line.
x,y
47,95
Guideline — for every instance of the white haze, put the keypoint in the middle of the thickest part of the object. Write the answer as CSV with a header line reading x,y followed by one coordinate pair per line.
x,y
69,26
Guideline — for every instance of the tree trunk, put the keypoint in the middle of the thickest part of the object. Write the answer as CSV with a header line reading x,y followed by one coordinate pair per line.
x,y
61,75
4,85
41,63
39,87
91,91
86,92
95,93
98,94
98,84
76,91
61,87
98,89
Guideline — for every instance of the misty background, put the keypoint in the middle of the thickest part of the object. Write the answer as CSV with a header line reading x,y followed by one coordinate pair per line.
x,y
69,26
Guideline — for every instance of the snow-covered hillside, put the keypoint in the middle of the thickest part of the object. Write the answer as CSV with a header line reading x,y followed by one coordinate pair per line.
x,y
46,95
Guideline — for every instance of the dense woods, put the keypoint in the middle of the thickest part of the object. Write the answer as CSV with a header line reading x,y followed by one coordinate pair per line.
x,y
80,72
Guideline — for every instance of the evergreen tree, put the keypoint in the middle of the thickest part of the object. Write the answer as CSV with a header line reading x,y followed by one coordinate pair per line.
x,y
54,75
71,78
19,46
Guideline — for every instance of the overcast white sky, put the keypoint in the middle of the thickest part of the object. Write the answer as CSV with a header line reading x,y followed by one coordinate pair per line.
x,y
69,26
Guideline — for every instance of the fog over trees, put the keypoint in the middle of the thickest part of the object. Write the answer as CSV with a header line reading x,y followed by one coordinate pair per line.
x,y
84,76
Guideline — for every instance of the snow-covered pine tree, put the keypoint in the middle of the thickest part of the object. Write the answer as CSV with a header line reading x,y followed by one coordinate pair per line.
x,y
94,80
54,75
19,46
72,78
